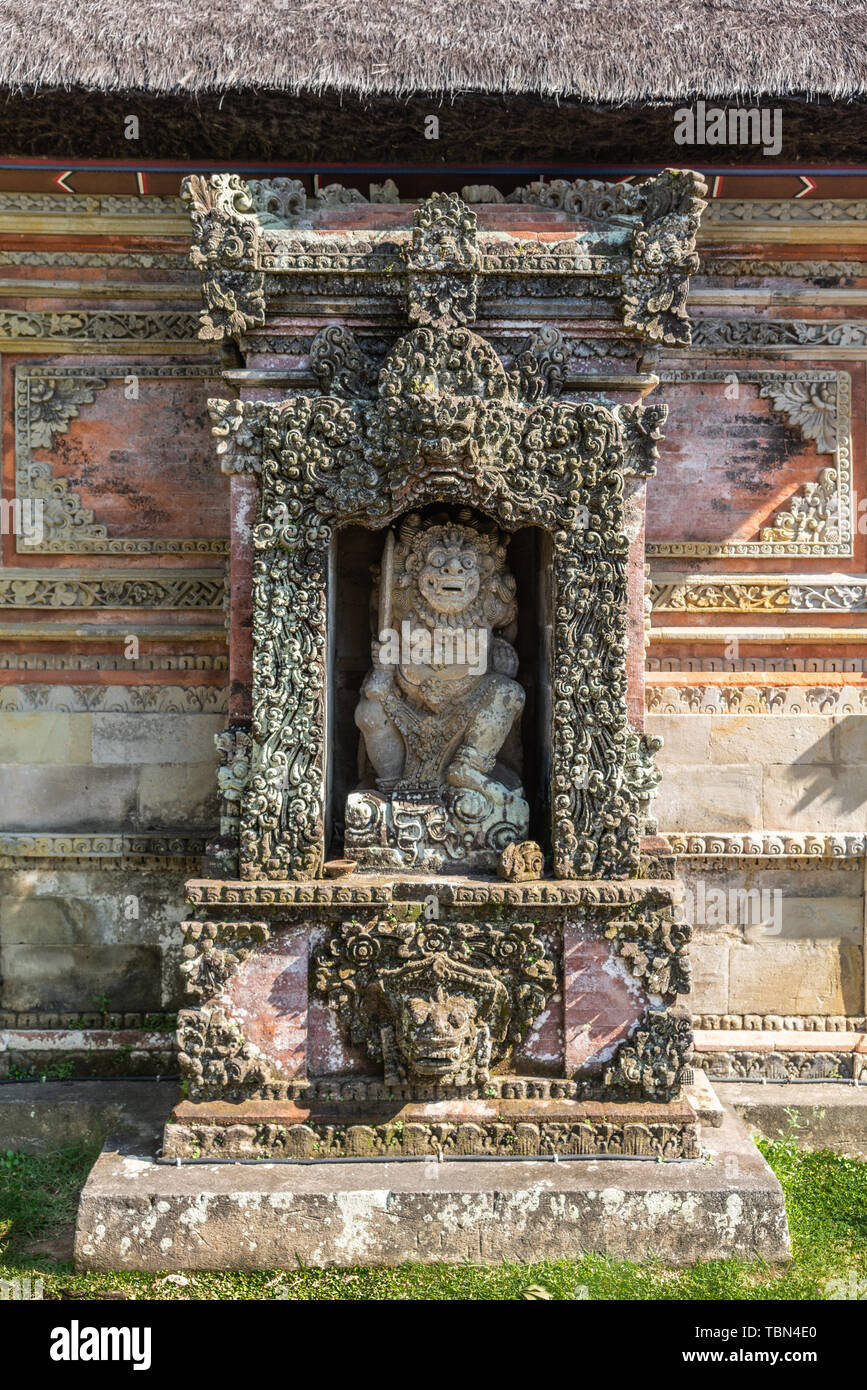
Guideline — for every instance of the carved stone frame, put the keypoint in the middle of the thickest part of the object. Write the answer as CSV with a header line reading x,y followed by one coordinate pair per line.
x,y
329,461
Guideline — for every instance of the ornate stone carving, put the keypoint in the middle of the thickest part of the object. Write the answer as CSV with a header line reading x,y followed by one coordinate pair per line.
x,y
756,699
140,699
444,1140
748,334
809,405
540,370
98,326
793,593
225,251
656,284
656,948
448,427
814,210
435,712
813,515
340,365
816,845
123,848
747,267
544,897
214,951
213,1056
521,861
441,261
437,1004
128,589
233,751
652,1063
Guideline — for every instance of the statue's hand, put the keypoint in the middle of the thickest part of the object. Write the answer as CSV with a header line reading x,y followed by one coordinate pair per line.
x,y
380,678
503,657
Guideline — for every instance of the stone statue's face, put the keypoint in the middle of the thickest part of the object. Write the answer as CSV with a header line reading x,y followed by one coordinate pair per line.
x,y
437,1032
449,580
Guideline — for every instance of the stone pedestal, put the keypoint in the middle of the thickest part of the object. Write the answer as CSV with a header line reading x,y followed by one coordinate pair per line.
x,y
554,1026
137,1213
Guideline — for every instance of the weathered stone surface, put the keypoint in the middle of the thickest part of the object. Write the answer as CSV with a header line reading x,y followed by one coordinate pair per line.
x,y
729,800
813,977
67,798
135,1214
60,977
802,797
38,1117
685,737
178,795
710,975
155,738
44,738
805,739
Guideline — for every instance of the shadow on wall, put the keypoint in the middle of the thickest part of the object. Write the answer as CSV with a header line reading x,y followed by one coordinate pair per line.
x,y
833,771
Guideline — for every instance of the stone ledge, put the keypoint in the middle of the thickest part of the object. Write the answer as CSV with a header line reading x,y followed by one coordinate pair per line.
x,y
38,1117
138,1214
739,1054
86,1052
826,1115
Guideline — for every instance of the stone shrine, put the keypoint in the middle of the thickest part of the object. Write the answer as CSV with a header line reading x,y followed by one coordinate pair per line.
x,y
439,925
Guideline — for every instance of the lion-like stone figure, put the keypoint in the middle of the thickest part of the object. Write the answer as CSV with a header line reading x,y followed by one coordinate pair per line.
x,y
440,702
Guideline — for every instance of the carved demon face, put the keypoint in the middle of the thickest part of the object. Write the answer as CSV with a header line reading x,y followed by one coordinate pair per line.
x,y
437,1033
449,579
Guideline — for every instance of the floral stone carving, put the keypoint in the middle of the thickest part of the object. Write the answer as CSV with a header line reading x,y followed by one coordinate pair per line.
x,y
437,1004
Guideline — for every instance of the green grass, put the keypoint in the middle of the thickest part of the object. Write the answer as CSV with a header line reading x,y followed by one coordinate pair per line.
x,y
826,1199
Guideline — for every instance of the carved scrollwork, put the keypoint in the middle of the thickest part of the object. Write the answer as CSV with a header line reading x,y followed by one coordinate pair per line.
x,y
225,252
441,262
650,1066
663,257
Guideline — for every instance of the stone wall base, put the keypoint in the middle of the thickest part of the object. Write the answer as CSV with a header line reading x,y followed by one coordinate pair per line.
x,y
136,1213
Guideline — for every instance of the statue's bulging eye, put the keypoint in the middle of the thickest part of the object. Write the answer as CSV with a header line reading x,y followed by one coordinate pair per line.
x,y
457,1018
437,558
468,559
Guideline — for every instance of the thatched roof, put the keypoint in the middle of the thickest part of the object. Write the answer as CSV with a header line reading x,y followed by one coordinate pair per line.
x,y
610,51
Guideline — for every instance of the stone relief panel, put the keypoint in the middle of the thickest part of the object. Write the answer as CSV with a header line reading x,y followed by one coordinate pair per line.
x,y
795,498
96,451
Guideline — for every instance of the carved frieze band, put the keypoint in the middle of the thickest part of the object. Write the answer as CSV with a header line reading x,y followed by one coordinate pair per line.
x,y
108,661
768,844
101,846
47,398
71,589
100,326
818,520
138,699
756,699
751,593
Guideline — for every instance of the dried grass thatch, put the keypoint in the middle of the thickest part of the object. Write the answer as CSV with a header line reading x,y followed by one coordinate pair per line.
x,y
611,51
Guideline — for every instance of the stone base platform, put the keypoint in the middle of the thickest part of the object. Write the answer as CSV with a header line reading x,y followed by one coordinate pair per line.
x,y
136,1213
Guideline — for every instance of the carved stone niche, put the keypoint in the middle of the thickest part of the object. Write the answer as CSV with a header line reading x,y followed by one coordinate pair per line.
x,y
449,480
